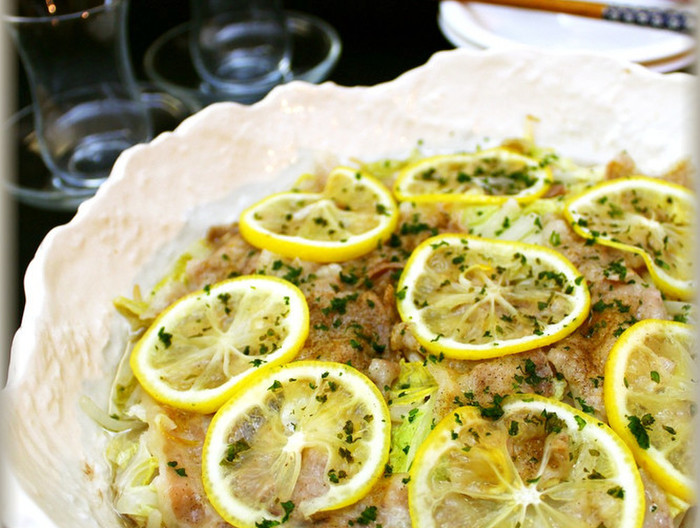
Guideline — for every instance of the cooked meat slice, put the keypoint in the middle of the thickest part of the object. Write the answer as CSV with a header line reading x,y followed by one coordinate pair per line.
x,y
620,296
448,389
403,342
231,256
386,505
486,383
354,320
176,438
581,357
519,373
310,482
349,326
622,166
682,173
658,514
383,372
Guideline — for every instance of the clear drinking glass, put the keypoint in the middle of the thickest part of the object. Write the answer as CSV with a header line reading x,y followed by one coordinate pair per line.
x,y
86,102
240,47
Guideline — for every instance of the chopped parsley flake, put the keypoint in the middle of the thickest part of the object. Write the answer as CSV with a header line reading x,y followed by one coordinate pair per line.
x,y
368,515
234,449
165,337
638,427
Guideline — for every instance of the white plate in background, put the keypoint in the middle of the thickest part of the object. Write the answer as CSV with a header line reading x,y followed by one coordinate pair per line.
x,y
665,65
493,26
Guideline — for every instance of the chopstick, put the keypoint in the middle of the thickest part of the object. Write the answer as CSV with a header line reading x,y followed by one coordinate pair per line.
x,y
672,19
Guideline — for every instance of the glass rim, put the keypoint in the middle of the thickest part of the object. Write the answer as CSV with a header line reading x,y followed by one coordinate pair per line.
x,y
104,5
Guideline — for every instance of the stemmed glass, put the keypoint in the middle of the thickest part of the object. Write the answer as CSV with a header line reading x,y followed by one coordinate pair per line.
x,y
86,103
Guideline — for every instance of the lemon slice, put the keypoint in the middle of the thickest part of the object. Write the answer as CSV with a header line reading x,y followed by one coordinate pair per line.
x,y
352,215
649,392
305,437
474,298
647,216
541,464
201,346
489,176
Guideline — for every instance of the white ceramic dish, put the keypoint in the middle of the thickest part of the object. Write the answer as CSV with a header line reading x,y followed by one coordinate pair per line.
x,y
164,194
500,27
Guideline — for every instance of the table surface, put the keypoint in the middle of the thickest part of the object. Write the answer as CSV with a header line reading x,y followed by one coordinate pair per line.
x,y
381,39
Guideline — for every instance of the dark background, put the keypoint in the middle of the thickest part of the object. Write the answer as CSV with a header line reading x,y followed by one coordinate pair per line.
x,y
381,39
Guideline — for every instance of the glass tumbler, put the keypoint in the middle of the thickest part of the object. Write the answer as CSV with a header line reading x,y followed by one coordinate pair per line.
x,y
86,103
240,47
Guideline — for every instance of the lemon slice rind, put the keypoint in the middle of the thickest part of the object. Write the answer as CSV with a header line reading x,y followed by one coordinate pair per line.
x,y
417,182
622,383
319,226
598,206
271,328
440,485
425,310
353,391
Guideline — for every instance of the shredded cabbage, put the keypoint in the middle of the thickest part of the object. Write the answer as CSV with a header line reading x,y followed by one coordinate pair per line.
x,y
137,310
411,411
134,470
507,221
574,177
110,422
178,273
133,310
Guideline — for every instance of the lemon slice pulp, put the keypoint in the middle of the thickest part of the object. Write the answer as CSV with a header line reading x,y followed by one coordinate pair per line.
x,y
307,436
488,176
353,214
647,216
474,298
649,392
201,346
542,464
